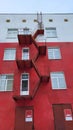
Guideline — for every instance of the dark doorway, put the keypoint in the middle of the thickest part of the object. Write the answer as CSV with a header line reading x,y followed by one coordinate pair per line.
x,y
24,118
63,117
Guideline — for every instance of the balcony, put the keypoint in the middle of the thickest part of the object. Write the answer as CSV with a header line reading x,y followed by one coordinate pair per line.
x,y
17,96
45,78
42,50
21,97
24,36
24,39
22,64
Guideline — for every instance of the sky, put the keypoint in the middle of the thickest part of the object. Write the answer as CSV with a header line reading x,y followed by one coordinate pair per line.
x,y
34,6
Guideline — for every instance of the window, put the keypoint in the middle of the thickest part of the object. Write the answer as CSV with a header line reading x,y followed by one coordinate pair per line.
x,y
50,32
54,53
65,20
58,80
6,82
12,33
9,54
25,54
35,20
7,20
24,20
50,20
25,84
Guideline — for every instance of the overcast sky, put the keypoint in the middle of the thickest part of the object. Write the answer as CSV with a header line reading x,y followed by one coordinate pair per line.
x,y
34,6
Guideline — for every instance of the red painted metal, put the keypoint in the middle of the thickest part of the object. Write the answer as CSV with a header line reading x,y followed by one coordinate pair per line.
x,y
22,64
24,39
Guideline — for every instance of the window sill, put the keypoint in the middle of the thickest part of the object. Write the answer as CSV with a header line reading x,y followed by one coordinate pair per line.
x,y
54,59
6,91
9,60
59,88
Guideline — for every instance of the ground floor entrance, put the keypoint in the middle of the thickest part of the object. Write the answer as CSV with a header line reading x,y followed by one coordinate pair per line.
x,y
63,117
24,118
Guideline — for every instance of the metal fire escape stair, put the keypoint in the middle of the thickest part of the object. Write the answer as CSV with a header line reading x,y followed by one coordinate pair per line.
x,y
27,39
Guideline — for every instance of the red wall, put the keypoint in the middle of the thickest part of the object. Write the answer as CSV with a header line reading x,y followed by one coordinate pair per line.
x,y
45,96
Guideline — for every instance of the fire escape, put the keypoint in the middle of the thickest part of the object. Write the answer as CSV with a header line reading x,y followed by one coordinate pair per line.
x,y
26,39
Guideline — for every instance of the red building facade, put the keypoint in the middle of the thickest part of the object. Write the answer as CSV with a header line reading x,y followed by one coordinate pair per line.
x,y
36,81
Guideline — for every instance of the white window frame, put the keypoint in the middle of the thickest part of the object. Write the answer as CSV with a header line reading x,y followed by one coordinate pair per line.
x,y
21,91
53,51
25,55
8,55
12,33
50,32
4,81
57,78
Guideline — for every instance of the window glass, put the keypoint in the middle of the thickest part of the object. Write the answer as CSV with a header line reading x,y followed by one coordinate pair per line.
x,y
54,53
9,84
58,80
25,54
2,84
9,54
12,33
54,83
62,82
24,76
50,32
6,83
25,84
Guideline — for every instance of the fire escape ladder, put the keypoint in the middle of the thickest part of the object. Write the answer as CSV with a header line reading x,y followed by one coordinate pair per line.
x,y
41,49
36,89
35,43
34,66
36,57
39,31
39,20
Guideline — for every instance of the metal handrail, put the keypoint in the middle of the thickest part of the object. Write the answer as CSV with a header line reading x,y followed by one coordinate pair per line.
x,y
29,31
24,31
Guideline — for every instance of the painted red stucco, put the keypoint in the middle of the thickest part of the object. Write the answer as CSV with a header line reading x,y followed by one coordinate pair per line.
x,y
45,95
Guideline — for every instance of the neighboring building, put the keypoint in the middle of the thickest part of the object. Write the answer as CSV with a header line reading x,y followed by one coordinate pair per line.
x,y
36,71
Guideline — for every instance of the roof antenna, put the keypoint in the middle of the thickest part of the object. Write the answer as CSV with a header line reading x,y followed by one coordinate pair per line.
x,y
39,20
